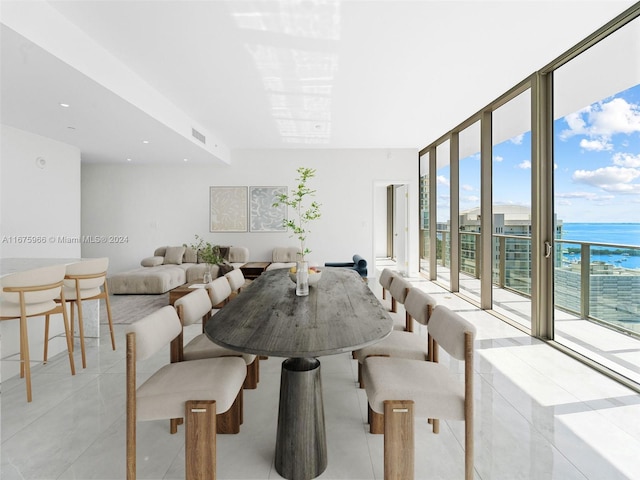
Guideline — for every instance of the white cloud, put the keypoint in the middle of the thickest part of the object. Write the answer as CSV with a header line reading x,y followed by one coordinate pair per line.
x,y
471,199
442,180
498,158
583,195
577,125
626,160
467,188
555,166
602,120
524,165
517,140
610,179
596,145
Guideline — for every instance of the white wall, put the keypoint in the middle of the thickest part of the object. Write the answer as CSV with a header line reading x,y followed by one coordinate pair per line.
x,y
38,202
168,205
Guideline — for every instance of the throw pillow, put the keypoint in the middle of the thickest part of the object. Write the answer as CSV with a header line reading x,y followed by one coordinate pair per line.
x,y
152,261
173,255
190,255
224,268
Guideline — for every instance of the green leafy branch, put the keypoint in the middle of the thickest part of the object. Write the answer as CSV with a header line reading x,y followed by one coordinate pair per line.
x,y
206,251
305,214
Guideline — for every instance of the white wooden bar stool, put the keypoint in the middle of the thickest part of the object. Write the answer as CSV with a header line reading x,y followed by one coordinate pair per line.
x,y
203,392
32,294
84,281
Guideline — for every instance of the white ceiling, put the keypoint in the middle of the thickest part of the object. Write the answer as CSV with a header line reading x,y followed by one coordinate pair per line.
x,y
287,74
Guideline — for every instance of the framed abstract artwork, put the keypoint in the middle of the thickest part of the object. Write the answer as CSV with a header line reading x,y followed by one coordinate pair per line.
x,y
264,217
228,209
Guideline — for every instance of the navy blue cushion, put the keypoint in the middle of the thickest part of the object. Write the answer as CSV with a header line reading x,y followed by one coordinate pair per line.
x,y
359,264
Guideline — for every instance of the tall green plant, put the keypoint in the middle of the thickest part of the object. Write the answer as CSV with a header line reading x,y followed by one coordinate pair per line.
x,y
305,212
206,251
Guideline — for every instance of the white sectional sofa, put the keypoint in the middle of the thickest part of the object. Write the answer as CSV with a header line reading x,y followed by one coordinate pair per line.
x,y
168,268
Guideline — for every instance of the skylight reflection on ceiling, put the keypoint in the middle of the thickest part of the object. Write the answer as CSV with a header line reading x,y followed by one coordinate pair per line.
x,y
298,81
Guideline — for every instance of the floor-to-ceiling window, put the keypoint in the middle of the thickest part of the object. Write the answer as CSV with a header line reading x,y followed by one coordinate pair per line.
x,y
443,206
542,189
469,215
511,208
424,213
596,133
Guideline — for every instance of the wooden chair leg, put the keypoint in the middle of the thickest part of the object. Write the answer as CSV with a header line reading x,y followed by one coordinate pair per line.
x,y
131,407
360,379
229,421
173,425
72,325
108,305
408,322
394,305
376,422
25,365
399,447
435,423
45,354
81,331
68,336
200,440
251,380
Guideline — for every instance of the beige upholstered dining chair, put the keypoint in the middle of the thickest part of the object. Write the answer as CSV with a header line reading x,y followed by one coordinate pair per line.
x,y
84,281
236,281
193,307
204,392
32,294
399,288
399,388
386,276
402,344
219,292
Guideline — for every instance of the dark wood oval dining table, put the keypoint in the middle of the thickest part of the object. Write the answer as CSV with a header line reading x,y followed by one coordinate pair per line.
x,y
340,314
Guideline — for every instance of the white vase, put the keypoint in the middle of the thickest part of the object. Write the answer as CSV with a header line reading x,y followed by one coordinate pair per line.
x,y
302,278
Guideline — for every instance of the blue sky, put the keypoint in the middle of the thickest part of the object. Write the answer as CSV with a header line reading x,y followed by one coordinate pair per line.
x,y
596,171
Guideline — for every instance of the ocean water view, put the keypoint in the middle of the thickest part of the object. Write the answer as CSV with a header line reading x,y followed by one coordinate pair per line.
x,y
624,234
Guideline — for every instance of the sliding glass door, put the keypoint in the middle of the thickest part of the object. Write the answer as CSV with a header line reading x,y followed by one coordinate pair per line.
x,y
596,134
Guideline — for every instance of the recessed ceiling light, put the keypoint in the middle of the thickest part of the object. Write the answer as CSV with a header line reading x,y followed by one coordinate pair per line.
x,y
128,159
64,105
145,141
185,159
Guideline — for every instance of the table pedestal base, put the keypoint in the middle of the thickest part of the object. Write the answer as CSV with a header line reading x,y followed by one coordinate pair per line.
x,y
301,444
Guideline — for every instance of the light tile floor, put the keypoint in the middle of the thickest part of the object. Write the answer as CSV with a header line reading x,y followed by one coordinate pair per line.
x,y
539,415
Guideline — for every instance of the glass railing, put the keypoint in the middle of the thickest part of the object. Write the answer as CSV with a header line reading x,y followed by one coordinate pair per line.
x,y
595,281
599,281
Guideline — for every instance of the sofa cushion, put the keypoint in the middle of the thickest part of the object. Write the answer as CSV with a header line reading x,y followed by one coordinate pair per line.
x,y
190,255
146,280
285,254
174,255
152,261
160,251
238,254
